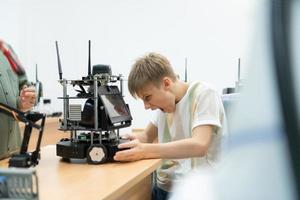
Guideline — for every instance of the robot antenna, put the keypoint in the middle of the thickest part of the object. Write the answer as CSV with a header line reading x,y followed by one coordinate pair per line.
x,y
58,61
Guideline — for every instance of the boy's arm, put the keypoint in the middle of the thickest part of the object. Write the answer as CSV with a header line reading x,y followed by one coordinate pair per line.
x,y
196,146
147,136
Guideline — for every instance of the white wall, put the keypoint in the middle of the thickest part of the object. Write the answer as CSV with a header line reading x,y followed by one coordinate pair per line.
x,y
212,35
10,21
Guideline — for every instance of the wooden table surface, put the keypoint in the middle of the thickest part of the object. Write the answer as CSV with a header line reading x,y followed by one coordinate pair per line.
x,y
79,180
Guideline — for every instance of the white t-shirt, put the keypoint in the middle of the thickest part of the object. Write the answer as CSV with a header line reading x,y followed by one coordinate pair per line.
x,y
201,105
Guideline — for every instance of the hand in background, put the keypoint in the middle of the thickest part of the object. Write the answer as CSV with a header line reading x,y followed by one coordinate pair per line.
x,y
27,98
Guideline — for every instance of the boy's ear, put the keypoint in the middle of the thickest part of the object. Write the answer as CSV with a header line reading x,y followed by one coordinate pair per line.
x,y
166,82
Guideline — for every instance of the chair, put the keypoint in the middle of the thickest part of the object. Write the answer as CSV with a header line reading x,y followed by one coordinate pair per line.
x,y
229,102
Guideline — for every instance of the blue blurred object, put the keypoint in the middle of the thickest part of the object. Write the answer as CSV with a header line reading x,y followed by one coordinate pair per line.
x,y
262,161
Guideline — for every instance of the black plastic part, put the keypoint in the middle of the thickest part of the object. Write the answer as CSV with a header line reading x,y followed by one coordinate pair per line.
x,y
228,90
101,69
79,150
23,160
68,149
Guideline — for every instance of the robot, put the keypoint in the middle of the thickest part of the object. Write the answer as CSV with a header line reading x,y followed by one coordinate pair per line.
x,y
94,129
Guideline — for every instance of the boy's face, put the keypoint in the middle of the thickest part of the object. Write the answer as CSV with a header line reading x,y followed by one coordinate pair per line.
x,y
159,97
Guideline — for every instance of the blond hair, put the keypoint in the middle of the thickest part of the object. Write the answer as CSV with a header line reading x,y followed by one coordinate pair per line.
x,y
149,69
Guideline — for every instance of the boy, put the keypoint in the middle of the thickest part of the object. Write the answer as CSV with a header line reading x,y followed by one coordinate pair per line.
x,y
188,125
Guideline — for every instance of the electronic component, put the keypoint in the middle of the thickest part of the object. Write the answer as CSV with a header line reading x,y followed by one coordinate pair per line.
x,y
18,184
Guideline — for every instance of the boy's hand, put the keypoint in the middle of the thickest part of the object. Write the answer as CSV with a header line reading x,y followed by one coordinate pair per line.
x,y
27,98
135,151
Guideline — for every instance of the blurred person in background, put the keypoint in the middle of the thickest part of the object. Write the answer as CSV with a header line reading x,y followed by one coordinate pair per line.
x,y
15,92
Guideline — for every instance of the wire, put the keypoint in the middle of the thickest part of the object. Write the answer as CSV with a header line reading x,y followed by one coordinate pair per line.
x,y
14,114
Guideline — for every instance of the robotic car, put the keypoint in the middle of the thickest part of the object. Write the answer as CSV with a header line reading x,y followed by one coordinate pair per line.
x,y
94,129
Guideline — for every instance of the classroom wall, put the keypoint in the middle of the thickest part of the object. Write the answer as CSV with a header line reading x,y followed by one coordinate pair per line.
x,y
212,35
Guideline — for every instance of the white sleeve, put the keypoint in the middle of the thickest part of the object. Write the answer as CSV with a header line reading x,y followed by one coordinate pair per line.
x,y
208,109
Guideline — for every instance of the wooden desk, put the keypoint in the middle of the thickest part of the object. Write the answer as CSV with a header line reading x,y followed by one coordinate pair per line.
x,y
61,180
